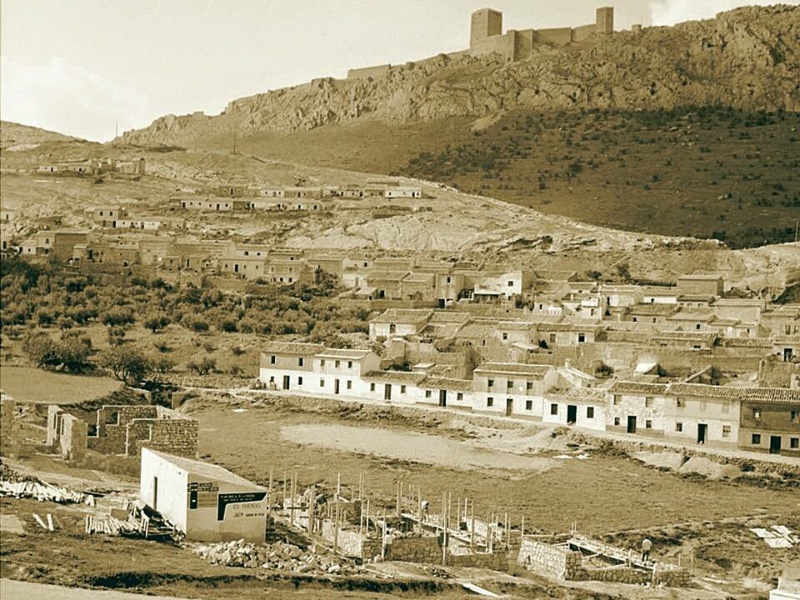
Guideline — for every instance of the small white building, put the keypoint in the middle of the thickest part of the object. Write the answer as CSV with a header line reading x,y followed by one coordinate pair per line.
x,y
203,501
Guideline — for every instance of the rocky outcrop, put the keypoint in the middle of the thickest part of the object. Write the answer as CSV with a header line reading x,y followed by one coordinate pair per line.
x,y
748,58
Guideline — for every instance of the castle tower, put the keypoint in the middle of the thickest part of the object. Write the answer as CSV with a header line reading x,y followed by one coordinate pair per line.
x,y
605,20
485,23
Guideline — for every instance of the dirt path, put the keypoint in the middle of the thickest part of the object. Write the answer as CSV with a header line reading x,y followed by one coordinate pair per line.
x,y
415,447
11,589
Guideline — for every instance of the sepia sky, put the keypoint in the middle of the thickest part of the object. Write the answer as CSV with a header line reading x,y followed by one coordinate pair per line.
x,y
80,66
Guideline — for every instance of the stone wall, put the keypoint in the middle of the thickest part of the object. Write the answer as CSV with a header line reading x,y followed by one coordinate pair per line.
x,y
366,72
126,429
415,549
175,436
497,561
112,422
555,562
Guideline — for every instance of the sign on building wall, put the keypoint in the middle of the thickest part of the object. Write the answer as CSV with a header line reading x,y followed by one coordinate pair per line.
x,y
240,505
202,495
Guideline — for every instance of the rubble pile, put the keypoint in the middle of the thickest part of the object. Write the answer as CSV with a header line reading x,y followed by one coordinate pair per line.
x,y
278,556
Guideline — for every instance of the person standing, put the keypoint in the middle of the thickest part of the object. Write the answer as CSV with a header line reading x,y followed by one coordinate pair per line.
x,y
646,546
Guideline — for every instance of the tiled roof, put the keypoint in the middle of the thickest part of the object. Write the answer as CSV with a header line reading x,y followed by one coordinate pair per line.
x,y
398,315
447,383
514,369
342,353
637,387
298,348
394,376
756,394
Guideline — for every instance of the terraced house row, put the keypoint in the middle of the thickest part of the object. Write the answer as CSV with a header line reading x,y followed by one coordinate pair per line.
x,y
761,419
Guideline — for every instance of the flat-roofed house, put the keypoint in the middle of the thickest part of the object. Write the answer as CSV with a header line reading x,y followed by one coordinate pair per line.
x,y
339,372
580,407
512,388
287,365
204,501
396,322
637,407
770,421
703,414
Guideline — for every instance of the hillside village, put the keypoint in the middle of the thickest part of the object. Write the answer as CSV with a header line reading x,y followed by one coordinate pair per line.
x,y
691,361
245,376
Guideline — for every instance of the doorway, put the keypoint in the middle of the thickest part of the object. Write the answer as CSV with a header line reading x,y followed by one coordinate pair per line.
x,y
509,406
155,493
774,444
442,397
387,391
787,355
286,382
572,414
702,433
335,386
631,424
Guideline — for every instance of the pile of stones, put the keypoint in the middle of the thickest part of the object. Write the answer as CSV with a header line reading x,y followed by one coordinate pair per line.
x,y
278,556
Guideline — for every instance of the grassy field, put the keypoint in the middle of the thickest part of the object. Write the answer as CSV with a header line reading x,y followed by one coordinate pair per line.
x,y
28,384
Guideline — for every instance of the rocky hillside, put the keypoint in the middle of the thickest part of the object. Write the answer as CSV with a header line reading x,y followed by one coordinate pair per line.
x,y
748,58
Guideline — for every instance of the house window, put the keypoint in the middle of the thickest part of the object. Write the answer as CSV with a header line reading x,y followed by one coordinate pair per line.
x,y
617,399
371,387
322,363
528,404
616,421
529,385
726,431
648,402
794,443
509,384
272,359
491,383
349,385
299,381
794,416
590,412
490,401
402,389
679,403
648,424
510,284
459,396
697,326
755,439
300,362
757,413
428,393
321,383
349,364
505,336
337,364
678,426
552,338
554,409
581,338
448,280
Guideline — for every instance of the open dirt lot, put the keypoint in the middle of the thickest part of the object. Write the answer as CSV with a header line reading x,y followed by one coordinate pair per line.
x,y
601,494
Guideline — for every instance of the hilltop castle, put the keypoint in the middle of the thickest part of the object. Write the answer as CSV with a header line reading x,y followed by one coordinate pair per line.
x,y
486,34
487,37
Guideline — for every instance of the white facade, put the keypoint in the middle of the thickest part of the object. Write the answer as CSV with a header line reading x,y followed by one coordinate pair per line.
x,y
204,501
